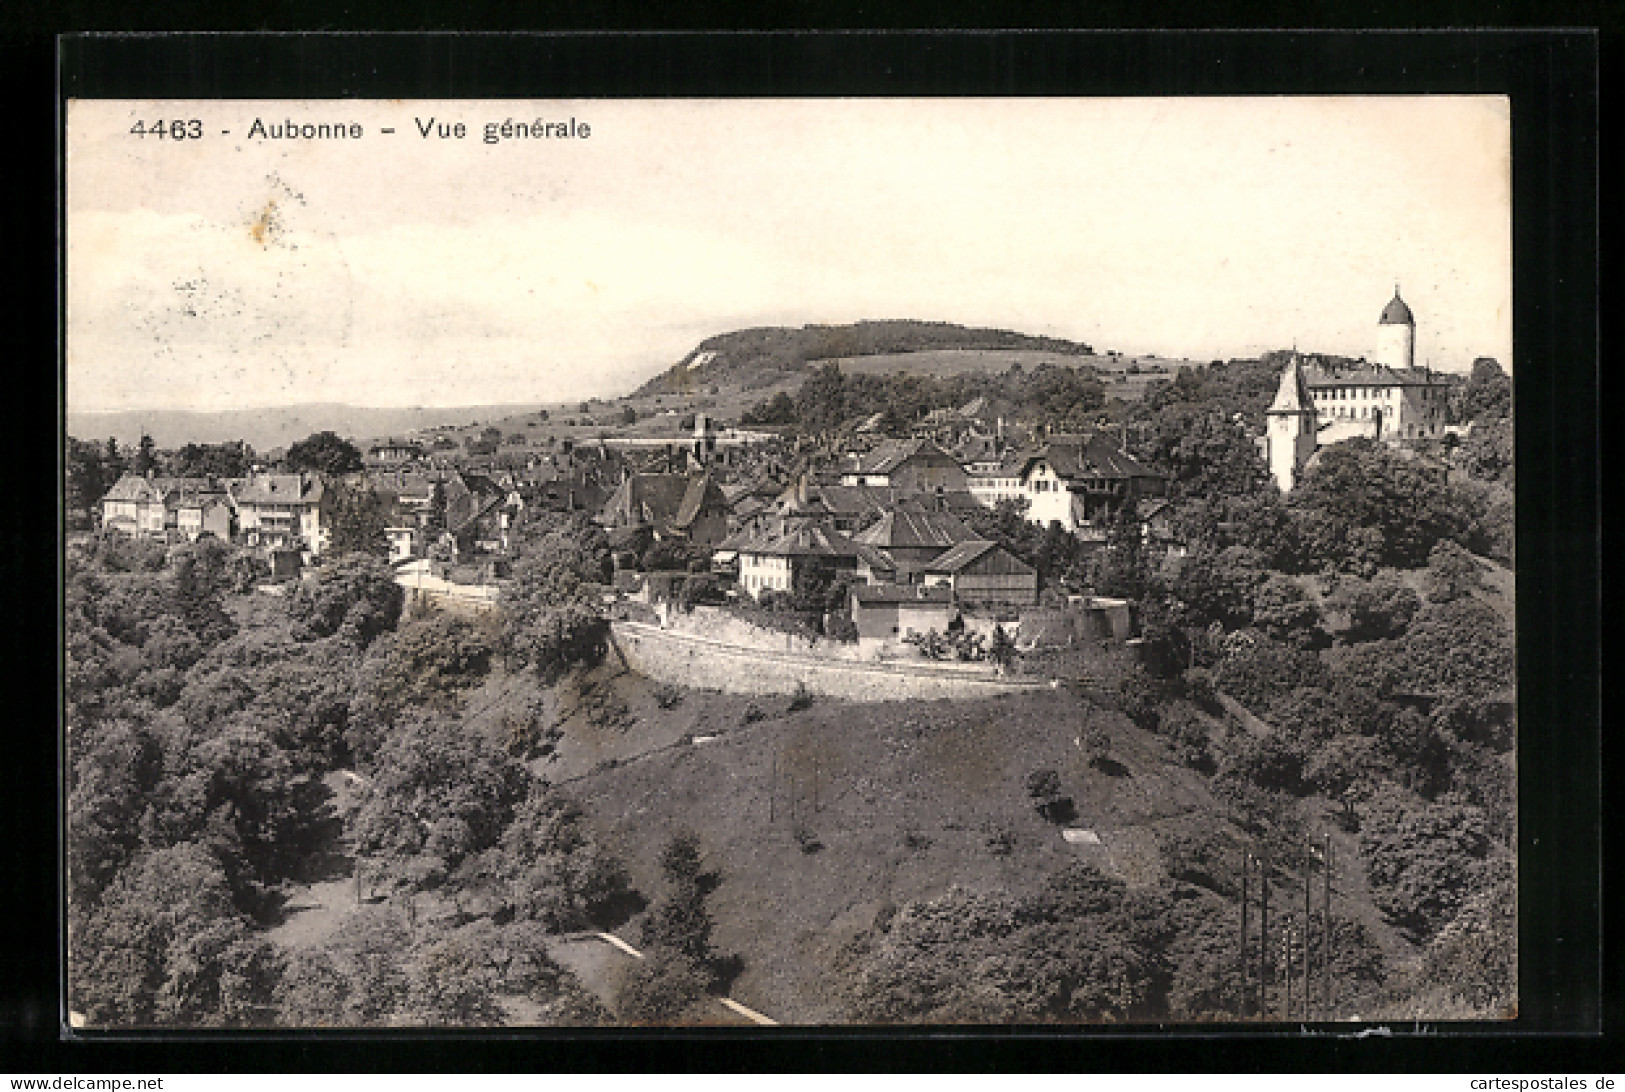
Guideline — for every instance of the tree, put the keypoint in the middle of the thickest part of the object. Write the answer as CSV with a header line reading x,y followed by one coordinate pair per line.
x,y
1362,504
325,453
660,989
1423,860
155,947
550,622
233,459
146,458
1452,573
1377,609
313,991
1487,394
373,944
1488,453
778,410
360,517
679,922
1282,609
1217,586
354,596
1121,567
453,985
554,871
437,795
87,476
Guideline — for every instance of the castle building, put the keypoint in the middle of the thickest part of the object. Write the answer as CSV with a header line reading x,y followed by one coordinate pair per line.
x,y
1391,400
1290,433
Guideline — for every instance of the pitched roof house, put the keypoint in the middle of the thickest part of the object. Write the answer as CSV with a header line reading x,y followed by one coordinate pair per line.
x,y
691,507
917,466
284,510
773,560
985,574
1078,481
912,537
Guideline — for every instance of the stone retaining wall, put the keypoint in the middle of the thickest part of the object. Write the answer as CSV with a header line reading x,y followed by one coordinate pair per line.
x,y
687,660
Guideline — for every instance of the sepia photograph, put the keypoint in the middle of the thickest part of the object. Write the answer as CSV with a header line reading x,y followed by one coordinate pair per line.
x,y
614,562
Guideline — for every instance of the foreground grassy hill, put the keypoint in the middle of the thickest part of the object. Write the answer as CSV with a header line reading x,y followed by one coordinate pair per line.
x,y
821,821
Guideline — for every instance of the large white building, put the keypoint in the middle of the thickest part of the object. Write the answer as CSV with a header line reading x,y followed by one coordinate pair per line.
x,y
1391,400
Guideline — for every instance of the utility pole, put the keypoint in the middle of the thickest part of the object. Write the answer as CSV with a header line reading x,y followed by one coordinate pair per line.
x,y
1264,933
1326,936
1308,874
1286,966
1246,982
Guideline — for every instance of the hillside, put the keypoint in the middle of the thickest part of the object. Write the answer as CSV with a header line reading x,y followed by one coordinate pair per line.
x,y
759,357
268,428
821,821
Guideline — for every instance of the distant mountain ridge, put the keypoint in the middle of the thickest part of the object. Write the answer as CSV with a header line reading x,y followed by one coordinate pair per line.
x,y
267,429
763,355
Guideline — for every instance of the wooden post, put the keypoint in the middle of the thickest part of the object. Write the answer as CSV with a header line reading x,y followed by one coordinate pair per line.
x,y
1308,873
1286,965
1326,938
1264,934
1246,982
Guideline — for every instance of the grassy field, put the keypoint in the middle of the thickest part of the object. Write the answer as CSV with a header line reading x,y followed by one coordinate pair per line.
x,y
819,818
948,362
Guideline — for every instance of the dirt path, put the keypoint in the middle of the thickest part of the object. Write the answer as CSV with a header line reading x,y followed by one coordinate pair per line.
x,y
313,914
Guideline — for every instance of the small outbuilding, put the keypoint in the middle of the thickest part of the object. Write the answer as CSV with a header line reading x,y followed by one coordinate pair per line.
x,y
983,573
886,613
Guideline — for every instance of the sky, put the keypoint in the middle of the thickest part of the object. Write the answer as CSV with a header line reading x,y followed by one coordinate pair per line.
x,y
231,272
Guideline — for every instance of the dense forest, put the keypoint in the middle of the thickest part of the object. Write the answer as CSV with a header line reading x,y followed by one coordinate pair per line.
x,y
207,730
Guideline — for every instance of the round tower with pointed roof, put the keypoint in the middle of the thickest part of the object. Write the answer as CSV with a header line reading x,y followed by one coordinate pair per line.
x,y
1396,334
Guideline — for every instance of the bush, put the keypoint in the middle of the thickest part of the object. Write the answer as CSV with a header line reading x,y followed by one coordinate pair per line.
x,y
1205,857
1423,860
660,989
1257,671
801,699
355,597
1452,573
1376,610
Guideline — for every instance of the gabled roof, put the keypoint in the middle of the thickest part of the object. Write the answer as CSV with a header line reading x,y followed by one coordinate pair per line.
x,y
974,408
1147,507
662,500
908,528
1368,375
802,540
134,487
702,494
968,553
892,454
280,489
1088,457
